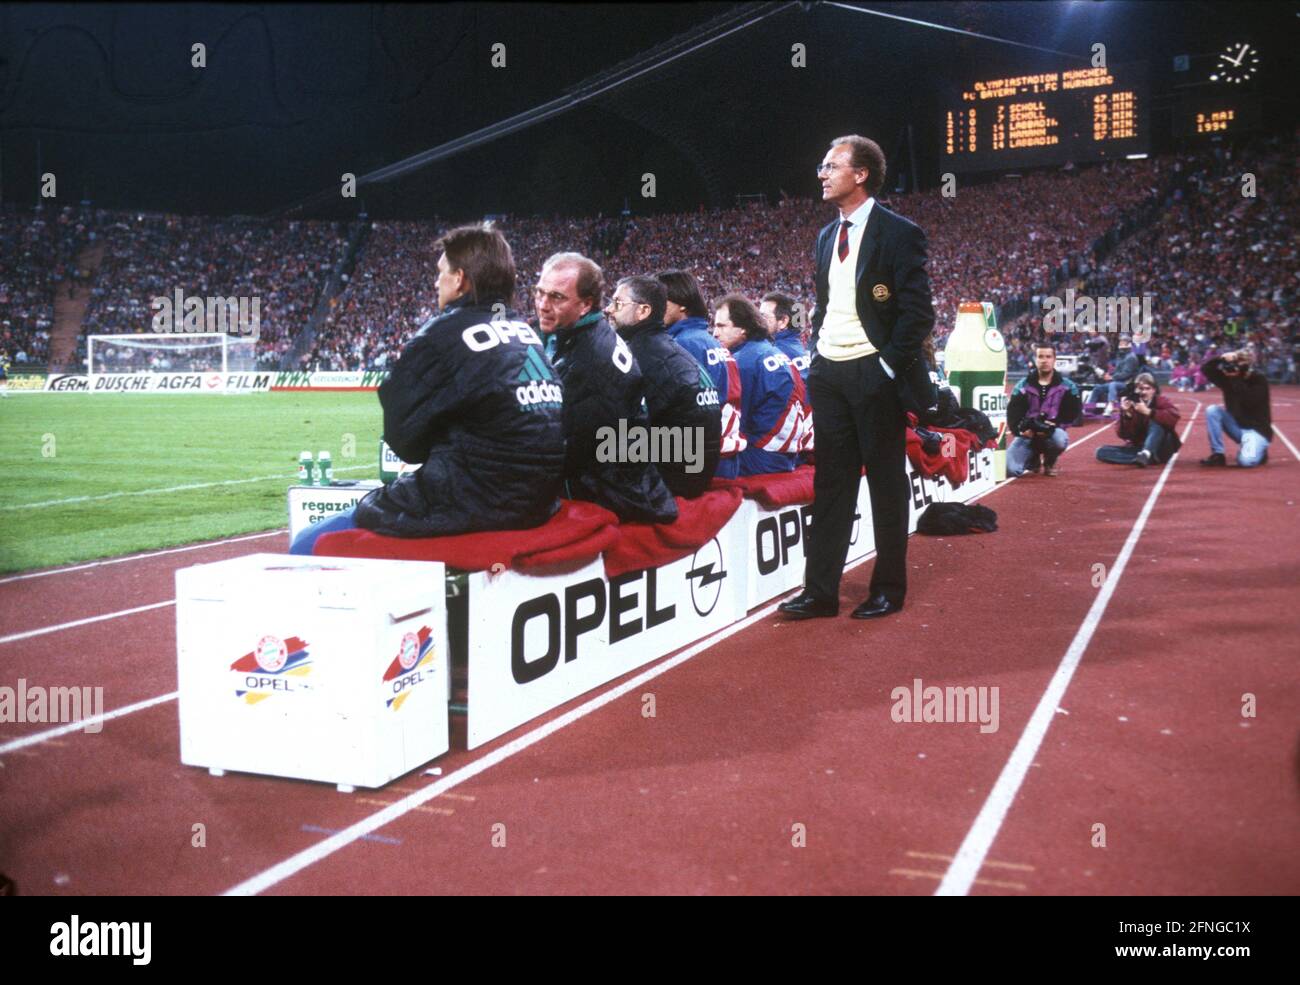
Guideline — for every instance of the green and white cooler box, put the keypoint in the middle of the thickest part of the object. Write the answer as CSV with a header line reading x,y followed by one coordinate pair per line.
x,y
328,669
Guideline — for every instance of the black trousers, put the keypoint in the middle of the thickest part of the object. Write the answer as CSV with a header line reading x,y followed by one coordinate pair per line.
x,y
857,420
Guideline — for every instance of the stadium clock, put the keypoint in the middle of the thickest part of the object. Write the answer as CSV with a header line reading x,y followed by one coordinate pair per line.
x,y
1236,63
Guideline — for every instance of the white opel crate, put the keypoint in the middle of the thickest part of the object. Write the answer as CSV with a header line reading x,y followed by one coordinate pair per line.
x,y
329,669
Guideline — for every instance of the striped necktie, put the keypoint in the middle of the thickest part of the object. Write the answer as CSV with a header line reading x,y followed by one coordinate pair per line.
x,y
844,239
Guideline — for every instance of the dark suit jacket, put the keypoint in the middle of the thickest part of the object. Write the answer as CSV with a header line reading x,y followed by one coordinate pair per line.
x,y
893,254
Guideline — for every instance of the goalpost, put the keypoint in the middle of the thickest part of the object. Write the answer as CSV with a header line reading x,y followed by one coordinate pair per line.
x,y
142,354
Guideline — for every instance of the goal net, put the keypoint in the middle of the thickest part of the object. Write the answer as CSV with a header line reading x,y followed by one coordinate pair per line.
x,y
196,352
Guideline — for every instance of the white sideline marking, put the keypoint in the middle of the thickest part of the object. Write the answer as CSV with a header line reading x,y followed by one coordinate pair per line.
x,y
82,622
141,557
169,489
54,733
1278,430
969,859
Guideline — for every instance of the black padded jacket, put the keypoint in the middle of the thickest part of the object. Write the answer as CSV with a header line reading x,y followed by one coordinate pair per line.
x,y
679,393
602,385
475,400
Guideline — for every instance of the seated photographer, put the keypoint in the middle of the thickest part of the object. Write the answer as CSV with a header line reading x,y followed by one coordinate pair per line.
x,y
1147,422
1245,413
1131,360
1090,373
1040,404
492,449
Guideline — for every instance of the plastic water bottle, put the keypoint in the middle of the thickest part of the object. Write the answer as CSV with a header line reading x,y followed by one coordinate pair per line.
x,y
305,469
325,469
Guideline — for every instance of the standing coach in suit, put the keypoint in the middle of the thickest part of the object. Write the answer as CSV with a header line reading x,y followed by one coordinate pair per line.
x,y
873,312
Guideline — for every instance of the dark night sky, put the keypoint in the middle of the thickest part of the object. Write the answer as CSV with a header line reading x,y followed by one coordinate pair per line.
x,y
293,95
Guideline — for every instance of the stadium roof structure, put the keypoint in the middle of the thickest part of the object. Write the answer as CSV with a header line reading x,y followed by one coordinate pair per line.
x,y
404,96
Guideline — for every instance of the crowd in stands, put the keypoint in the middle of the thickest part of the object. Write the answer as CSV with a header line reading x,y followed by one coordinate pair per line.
x,y
38,251
283,264
1221,267
977,250
388,296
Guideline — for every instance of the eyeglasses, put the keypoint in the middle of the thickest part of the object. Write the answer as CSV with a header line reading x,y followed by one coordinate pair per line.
x,y
555,296
828,168
618,304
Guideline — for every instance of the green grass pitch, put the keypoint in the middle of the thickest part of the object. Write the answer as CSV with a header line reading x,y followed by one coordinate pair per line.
x,y
120,457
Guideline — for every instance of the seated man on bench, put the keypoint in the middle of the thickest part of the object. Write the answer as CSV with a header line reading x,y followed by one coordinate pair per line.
x,y
474,398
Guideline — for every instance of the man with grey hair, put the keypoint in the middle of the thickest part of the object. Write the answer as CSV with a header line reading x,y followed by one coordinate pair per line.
x,y
684,406
873,313
602,387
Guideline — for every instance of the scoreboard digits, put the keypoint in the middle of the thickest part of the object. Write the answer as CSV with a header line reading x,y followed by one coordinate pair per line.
x,y
1205,115
1082,114
1216,121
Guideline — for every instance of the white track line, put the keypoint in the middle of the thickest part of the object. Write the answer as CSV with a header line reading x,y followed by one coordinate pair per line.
x,y
969,859
168,489
54,733
140,557
82,622
321,850
1278,431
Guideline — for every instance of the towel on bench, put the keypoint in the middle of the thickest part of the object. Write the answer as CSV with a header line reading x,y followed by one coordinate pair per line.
x,y
776,490
649,545
574,536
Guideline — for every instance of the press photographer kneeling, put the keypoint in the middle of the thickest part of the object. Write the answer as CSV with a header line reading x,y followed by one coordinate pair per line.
x,y
1148,423
1040,404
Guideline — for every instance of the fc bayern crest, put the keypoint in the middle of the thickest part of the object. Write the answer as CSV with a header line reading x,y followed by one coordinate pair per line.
x,y
409,652
271,653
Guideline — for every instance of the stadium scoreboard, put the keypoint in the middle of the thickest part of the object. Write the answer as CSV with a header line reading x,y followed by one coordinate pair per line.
x,y
1048,117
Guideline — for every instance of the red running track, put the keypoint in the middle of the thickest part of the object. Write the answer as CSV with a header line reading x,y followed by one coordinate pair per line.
x,y
772,764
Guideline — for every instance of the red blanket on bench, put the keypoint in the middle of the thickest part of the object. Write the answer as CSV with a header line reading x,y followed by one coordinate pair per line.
x,y
575,536
774,491
649,545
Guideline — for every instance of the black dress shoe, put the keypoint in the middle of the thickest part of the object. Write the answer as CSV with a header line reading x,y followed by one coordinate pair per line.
x,y
807,606
875,607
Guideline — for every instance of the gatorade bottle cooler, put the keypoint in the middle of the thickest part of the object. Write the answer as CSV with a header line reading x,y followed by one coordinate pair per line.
x,y
390,466
975,361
